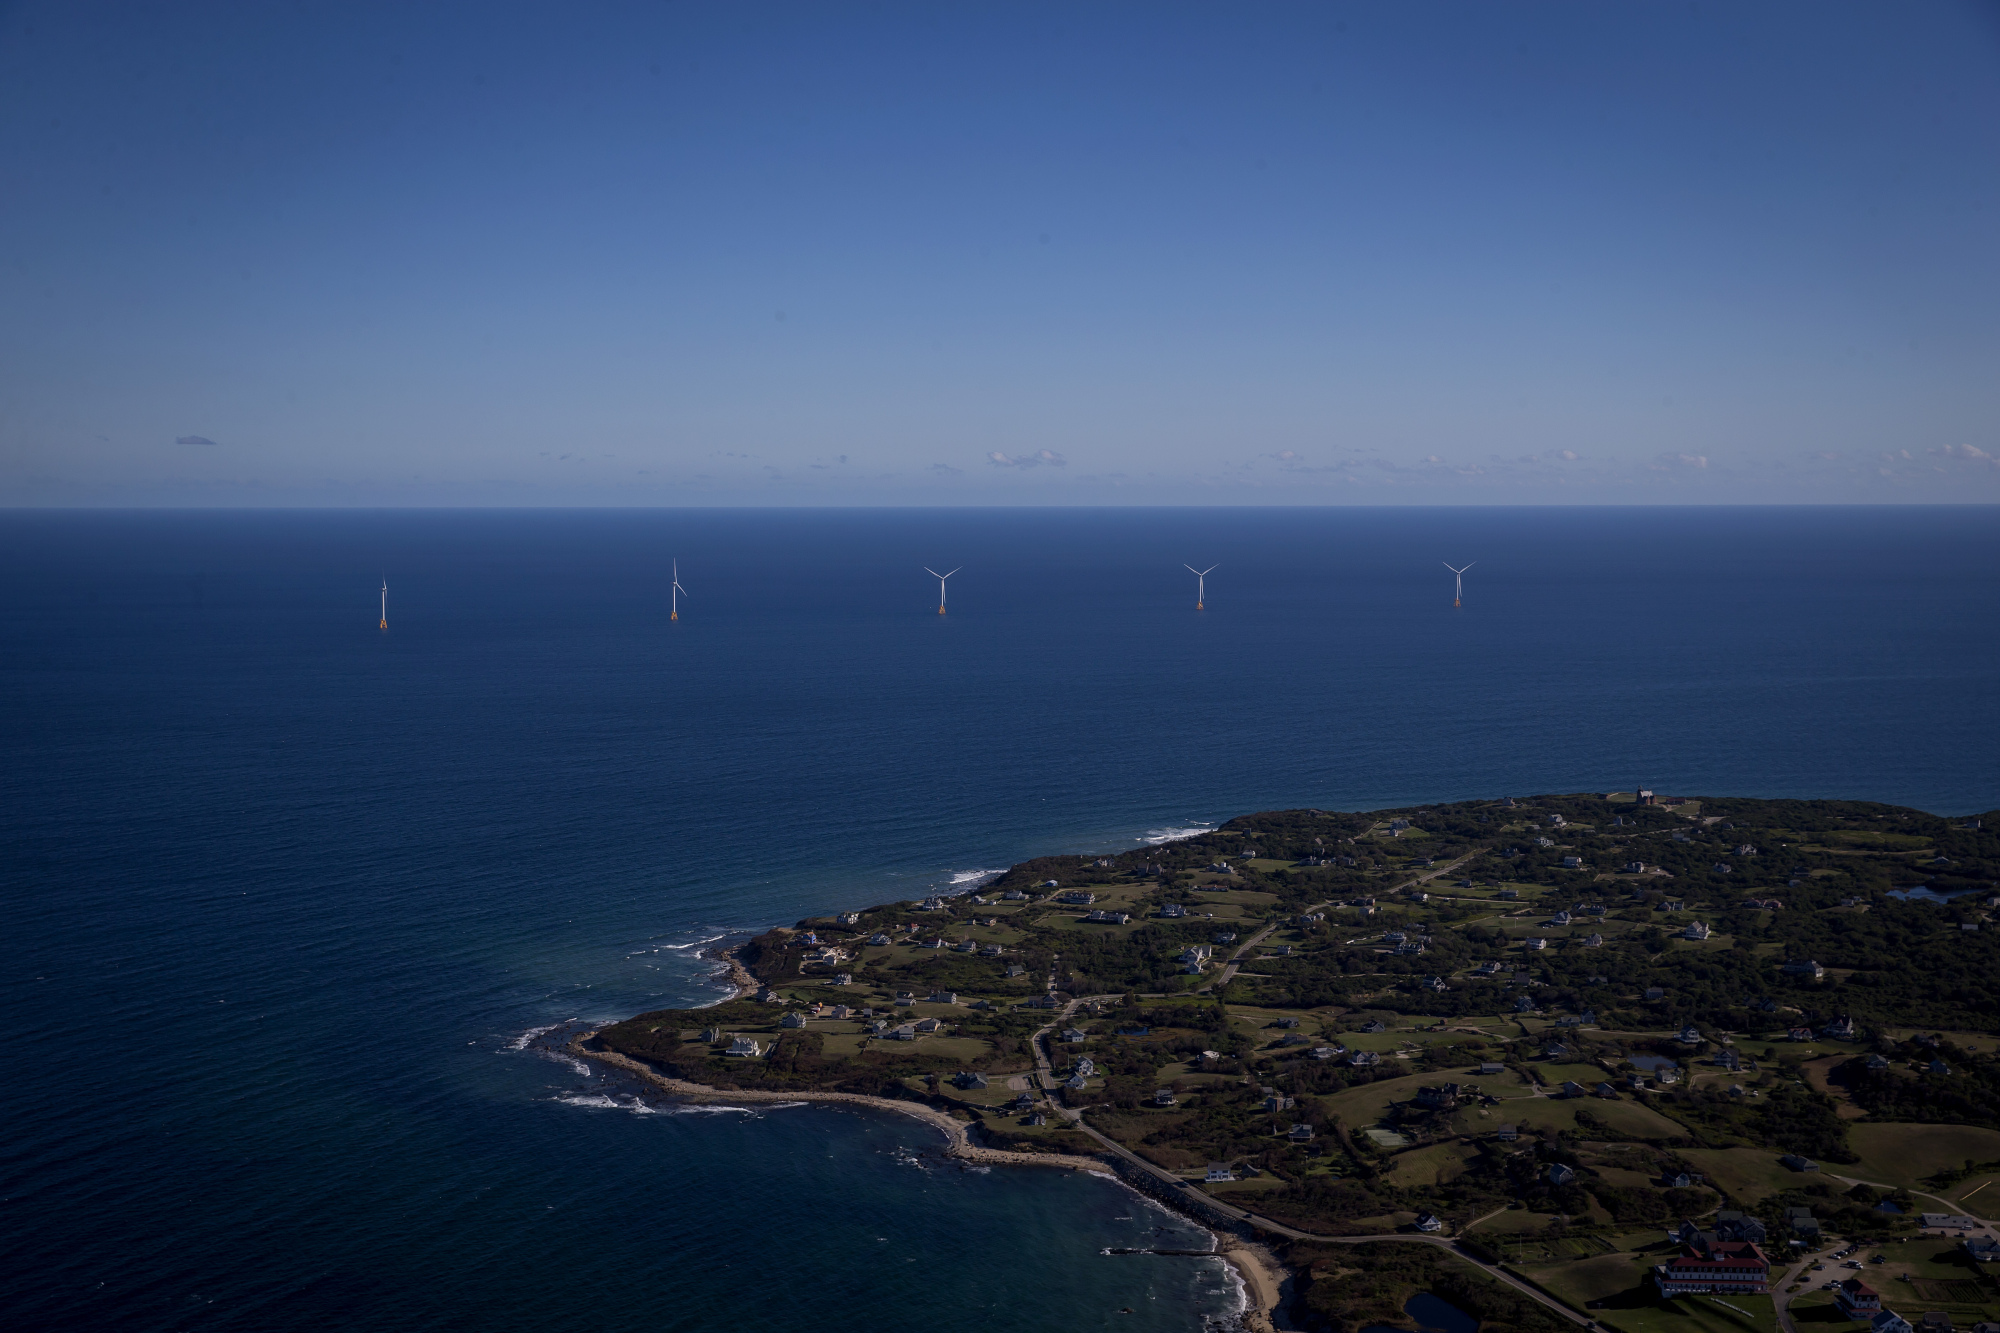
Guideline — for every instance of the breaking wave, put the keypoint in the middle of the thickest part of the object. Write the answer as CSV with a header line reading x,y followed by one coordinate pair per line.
x,y
1153,837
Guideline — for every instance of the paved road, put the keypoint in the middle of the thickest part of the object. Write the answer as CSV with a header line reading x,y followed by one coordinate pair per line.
x,y
1956,1209
1046,1074
1781,1300
1176,1184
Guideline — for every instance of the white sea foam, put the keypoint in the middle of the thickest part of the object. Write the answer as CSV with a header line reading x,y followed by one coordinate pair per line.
x,y
1153,837
520,1043
601,1102
712,1110
583,1070
972,879
696,945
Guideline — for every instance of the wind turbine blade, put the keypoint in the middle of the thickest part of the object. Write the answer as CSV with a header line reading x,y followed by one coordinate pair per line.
x,y
955,571
932,572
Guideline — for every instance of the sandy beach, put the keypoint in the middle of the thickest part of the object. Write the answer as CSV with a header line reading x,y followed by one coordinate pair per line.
x,y
1263,1279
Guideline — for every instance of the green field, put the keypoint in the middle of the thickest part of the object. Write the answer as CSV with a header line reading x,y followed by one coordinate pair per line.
x,y
1629,1117
1695,1314
1746,1174
1429,1166
1904,1154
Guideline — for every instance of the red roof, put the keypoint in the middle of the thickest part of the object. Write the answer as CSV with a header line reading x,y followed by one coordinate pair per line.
x,y
1854,1286
1725,1257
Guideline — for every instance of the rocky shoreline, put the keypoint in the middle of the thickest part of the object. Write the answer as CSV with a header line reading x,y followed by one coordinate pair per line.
x,y
1256,1266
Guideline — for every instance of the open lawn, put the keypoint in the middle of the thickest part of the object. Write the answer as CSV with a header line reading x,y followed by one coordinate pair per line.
x,y
1904,1154
1428,1166
1580,1280
1934,1275
1628,1117
1693,1314
1746,1174
1513,1222
1365,1105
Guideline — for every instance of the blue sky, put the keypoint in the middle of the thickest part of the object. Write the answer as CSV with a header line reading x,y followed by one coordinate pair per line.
x,y
1004,254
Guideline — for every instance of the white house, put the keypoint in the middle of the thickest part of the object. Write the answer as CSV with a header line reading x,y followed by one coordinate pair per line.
x,y
792,1020
1219,1172
745,1046
1696,930
1534,942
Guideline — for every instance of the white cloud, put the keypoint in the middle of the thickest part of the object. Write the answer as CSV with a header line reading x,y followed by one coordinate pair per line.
x,y
1036,459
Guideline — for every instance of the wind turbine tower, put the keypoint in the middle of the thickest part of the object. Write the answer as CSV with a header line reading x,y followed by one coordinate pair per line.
x,y
1458,582
385,602
677,593
1200,582
940,578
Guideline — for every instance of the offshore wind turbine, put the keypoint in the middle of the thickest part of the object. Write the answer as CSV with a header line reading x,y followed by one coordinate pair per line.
x,y
1200,582
940,578
385,601
677,593
1458,581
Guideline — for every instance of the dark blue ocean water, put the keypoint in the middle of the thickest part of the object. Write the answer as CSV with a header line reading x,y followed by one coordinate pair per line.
x,y
285,895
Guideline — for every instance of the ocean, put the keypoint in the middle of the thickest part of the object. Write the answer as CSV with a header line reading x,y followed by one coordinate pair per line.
x,y
293,903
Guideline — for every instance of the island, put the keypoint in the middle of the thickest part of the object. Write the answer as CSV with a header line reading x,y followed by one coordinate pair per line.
x,y
1621,1060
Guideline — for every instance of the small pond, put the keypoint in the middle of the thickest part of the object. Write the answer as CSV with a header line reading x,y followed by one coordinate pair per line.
x,y
1653,1063
1924,893
1433,1315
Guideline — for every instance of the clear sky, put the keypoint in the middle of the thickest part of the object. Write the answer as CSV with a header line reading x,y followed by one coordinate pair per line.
x,y
952,253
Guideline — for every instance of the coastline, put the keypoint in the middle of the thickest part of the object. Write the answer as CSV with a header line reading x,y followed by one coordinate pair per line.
x,y
1258,1270
739,975
958,1142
